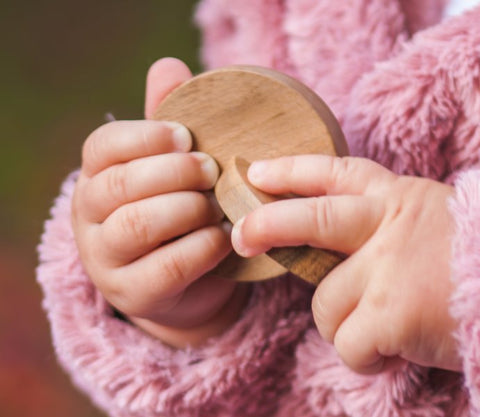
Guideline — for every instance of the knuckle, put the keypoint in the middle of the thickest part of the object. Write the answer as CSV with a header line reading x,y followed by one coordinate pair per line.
x,y
85,200
126,304
387,308
95,145
179,165
214,242
133,222
326,213
147,140
345,346
90,146
173,266
291,166
362,356
119,293
144,138
322,320
109,281
117,184
112,291
322,214
341,169
378,298
342,344
130,307
99,272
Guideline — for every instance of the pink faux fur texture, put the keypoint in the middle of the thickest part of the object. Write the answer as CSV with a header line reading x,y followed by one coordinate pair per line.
x,y
243,32
419,112
332,64
331,389
466,273
411,103
129,373
305,38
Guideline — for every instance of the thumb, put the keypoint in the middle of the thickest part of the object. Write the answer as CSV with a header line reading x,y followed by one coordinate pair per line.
x,y
163,76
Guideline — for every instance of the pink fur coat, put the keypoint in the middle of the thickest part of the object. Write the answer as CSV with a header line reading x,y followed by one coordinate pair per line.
x,y
406,88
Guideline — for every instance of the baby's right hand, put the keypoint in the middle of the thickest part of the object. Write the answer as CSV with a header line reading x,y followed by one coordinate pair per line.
x,y
147,232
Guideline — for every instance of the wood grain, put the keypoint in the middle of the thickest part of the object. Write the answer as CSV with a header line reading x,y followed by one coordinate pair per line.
x,y
241,114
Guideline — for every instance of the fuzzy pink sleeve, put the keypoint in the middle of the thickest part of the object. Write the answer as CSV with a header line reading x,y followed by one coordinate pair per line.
x,y
325,387
322,43
128,373
466,275
418,112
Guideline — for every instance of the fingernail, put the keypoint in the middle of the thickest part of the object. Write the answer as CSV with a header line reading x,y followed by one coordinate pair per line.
x,y
256,171
209,167
227,227
237,240
181,136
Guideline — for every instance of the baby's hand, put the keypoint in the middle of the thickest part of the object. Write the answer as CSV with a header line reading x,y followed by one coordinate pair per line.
x,y
390,297
146,231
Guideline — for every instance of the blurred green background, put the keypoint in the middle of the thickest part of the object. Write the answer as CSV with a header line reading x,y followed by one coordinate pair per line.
x,y
63,66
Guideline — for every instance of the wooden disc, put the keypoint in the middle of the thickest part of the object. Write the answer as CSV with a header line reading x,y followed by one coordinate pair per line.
x,y
255,113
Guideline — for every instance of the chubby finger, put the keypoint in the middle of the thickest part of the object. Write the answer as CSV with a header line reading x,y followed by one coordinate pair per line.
x,y
154,281
137,228
123,141
340,223
163,76
337,295
146,177
356,342
313,175
200,301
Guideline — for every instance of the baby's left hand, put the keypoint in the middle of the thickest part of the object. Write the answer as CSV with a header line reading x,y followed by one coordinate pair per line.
x,y
390,297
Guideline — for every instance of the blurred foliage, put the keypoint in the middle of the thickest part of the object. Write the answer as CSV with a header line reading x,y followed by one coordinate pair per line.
x,y
64,65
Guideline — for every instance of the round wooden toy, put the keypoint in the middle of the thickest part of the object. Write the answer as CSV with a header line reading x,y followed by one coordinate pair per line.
x,y
240,114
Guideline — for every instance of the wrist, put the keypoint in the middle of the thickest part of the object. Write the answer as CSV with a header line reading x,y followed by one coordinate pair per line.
x,y
181,338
